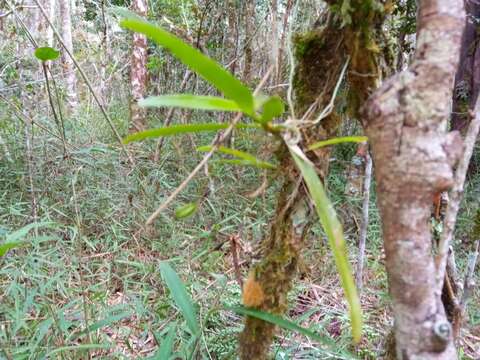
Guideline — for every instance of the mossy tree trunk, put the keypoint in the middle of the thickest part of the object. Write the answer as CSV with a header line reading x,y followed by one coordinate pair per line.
x,y
320,56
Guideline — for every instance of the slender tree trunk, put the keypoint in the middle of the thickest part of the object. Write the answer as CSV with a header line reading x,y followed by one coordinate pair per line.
x,y
286,16
249,28
467,79
68,65
414,156
43,27
104,56
232,36
274,45
138,72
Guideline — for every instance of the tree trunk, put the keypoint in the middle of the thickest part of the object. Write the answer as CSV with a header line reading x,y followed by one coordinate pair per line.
x,y
405,121
68,66
138,72
232,36
320,56
467,79
105,53
44,27
249,29
274,45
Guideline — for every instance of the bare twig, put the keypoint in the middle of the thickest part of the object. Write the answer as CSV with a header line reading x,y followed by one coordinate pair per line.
x,y
215,144
364,226
456,197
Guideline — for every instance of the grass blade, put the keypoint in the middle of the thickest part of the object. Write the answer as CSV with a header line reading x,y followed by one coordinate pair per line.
x,y
22,232
189,101
338,140
166,347
210,70
333,229
180,296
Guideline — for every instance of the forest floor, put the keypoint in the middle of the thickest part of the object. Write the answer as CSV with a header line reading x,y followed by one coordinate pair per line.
x,y
87,285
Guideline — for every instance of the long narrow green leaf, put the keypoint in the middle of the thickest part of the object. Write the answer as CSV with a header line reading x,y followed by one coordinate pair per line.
x,y
189,101
240,162
246,158
182,129
180,296
338,140
210,70
288,325
333,229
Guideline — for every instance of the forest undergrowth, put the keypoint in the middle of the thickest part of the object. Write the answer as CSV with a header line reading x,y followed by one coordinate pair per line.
x,y
87,285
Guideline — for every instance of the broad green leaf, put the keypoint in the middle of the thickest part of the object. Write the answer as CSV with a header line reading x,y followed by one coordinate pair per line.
x,y
180,296
333,229
7,246
210,70
188,101
272,108
46,53
338,140
165,350
288,325
182,129
246,158
186,210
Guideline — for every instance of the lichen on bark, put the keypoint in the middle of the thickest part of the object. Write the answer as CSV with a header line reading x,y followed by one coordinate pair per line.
x,y
414,157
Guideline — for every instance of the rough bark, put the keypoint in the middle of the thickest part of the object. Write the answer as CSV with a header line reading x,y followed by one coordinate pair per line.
x,y
68,65
138,72
414,156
